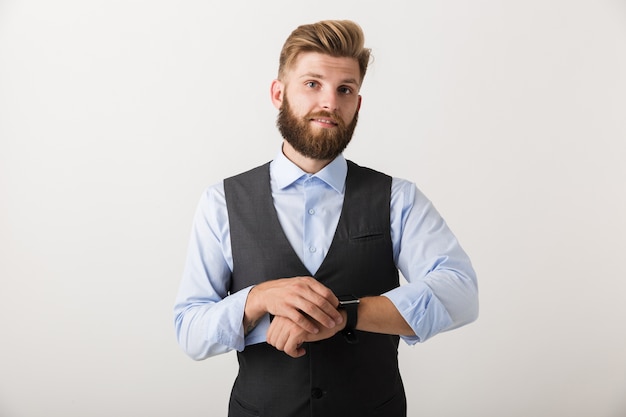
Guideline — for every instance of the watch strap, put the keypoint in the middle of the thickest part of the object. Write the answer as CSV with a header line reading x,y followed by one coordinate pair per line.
x,y
351,305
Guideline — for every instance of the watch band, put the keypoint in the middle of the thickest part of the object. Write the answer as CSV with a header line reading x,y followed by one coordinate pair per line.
x,y
350,303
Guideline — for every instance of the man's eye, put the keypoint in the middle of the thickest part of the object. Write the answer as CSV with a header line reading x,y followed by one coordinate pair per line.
x,y
311,84
345,90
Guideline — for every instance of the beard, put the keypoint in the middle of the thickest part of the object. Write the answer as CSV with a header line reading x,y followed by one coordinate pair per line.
x,y
320,144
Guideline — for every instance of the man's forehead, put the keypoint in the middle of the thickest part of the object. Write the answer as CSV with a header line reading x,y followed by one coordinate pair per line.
x,y
323,66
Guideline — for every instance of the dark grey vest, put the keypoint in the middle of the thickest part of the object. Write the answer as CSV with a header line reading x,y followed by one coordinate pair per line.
x,y
334,378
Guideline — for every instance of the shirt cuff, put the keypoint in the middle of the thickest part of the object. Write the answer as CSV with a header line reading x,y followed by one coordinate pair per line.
x,y
227,325
421,309
229,330
259,333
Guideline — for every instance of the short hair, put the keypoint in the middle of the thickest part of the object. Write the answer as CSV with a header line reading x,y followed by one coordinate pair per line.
x,y
338,38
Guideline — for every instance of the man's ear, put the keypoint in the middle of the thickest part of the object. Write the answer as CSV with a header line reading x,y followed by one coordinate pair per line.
x,y
358,106
277,91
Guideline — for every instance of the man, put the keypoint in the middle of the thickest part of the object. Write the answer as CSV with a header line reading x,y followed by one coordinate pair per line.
x,y
295,263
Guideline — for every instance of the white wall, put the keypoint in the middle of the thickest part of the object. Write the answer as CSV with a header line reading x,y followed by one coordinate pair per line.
x,y
114,115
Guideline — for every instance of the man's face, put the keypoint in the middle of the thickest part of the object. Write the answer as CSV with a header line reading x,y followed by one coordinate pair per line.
x,y
318,103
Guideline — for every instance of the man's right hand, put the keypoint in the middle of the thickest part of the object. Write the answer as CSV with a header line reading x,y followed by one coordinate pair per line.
x,y
299,299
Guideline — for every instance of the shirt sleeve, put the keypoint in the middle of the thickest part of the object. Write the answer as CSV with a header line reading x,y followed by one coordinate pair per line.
x,y
208,320
441,291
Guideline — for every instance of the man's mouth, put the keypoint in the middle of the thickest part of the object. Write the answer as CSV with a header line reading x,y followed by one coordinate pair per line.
x,y
324,121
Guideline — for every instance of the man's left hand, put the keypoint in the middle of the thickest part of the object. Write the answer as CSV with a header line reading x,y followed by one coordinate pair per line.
x,y
287,336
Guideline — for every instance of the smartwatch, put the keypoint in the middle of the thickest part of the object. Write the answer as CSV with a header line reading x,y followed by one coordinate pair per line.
x,y
350,303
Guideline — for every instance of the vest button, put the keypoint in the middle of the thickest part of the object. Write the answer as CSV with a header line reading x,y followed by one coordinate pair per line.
x,y
317,393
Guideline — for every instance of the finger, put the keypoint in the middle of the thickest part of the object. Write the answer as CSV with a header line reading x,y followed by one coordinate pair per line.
x,y
285,336
278,334
271,335
323,298
323,291
315,300
303,321
291,297
297,352
321,311
293,347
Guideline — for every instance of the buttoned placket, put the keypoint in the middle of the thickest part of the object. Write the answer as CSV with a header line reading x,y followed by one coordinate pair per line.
x,y
314,249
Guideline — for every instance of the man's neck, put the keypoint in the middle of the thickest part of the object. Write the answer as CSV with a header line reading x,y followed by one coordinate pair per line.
x,y
308,165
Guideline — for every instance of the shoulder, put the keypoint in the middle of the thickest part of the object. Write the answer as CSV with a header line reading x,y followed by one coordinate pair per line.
x,y
251,173
212,197
399,186
356,168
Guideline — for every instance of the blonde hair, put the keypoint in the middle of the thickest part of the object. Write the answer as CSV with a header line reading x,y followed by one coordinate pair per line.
x,y
338,38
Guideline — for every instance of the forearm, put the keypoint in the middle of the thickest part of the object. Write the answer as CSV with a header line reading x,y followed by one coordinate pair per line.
x,y
375,314
380,315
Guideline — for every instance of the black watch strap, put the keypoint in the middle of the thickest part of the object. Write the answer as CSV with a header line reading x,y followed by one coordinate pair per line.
x,y
350,303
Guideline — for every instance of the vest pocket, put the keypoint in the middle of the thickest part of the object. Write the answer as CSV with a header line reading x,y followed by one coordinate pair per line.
x,y
365,237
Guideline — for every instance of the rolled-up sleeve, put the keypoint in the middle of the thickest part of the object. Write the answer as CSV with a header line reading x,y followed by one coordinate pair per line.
x,y
442,290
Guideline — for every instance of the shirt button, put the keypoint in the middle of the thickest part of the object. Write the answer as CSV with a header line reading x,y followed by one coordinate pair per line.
x,y
312,249
317,393
311,211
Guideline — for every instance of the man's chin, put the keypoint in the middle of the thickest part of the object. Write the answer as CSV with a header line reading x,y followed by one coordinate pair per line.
x,y
322,132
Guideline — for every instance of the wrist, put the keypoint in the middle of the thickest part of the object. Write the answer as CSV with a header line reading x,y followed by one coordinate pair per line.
x,y
253,309
349,304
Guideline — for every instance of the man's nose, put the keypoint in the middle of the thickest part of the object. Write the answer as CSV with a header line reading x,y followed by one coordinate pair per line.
x,y
329,101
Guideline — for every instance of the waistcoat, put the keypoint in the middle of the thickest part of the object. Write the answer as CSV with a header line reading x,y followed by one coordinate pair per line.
x,y
333,378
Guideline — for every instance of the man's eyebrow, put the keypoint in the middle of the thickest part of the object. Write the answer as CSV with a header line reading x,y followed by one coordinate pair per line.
x,y
321,77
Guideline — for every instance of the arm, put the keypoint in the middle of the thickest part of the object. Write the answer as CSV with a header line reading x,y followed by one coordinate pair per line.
x,y
208,319
442,290
379,315
375,314
441,293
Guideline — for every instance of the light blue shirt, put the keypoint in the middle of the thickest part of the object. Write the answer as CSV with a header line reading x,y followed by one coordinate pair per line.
x,y
440,292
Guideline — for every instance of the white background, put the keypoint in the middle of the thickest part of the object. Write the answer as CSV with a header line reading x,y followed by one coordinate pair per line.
x,y
114,116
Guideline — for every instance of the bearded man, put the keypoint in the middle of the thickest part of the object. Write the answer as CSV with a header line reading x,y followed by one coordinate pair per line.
x,y
295,264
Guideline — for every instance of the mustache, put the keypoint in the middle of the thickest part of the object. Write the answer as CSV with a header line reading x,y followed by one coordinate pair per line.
x,y
322,114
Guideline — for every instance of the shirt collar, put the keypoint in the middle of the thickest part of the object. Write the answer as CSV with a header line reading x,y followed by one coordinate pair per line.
x,y
285,172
